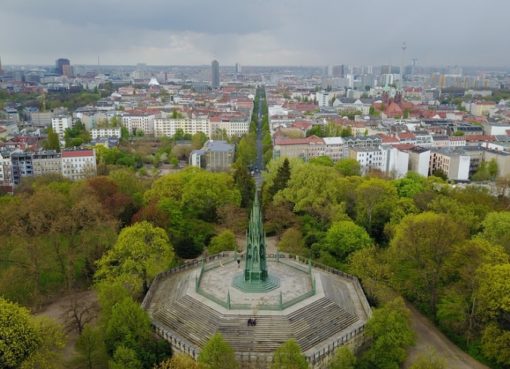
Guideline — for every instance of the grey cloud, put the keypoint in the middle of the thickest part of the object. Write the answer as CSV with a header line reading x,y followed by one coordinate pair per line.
x,y
254,32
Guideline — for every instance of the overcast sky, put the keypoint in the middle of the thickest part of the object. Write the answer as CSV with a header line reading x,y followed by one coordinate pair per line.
x,y
255,32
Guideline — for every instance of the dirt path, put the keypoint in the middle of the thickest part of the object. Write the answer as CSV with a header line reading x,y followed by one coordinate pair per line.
x,y
57,311
429,337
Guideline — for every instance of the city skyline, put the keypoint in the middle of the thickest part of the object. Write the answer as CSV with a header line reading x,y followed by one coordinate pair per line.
x,y
276,33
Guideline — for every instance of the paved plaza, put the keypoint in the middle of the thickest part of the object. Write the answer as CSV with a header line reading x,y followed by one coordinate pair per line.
x,y
294,282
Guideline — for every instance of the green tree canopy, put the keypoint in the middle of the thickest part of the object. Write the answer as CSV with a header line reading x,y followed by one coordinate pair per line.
x,y
198,140
125,358
179,361
27,342
322,160
348,167
343,359
128,326
217,354
391,334
52,142
375,200
496,343
289,356
421,254
91,349
20,337
496,228
141,251
282,178
292,241
345,237
225,241
312,188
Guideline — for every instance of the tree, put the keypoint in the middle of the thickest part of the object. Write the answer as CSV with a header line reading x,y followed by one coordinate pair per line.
x,y
27,342
245,184
53,142
496,344
282,178
421,249
348,167
125,358
198,140
91,349
429,360
391,335
457,309
20,337
217,354
322,160
292,242
141,251
289,356
440,174
312,188
247,150
375,200
343,359
179,361
345,237
494,291
206,192
47,356
411,185
496,228
128,325
225,241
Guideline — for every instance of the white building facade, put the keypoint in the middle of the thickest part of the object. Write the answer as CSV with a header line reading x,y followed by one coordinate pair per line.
x,y
78,164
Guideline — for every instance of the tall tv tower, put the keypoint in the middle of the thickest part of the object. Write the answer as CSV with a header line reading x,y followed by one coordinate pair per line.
x,y
404,47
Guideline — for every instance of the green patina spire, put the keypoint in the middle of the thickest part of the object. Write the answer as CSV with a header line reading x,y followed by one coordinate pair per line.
x,y
255,277
255,268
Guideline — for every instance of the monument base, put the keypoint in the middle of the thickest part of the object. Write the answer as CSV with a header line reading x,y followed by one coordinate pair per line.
x,y
267,285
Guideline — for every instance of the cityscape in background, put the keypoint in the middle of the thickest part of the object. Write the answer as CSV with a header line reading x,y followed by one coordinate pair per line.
x,y
450,120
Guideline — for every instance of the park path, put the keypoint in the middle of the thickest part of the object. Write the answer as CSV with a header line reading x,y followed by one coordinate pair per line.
x,y
57,309
429,337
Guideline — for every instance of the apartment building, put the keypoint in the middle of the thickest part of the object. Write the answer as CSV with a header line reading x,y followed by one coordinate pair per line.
x,y
139,122
169,126
305,148
455,163
78,164
60,123
105,133
46,162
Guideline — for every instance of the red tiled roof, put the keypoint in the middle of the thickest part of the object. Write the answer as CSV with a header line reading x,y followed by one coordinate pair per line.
x,y
474,138
301,124
299,141
77,153
388,139
406,135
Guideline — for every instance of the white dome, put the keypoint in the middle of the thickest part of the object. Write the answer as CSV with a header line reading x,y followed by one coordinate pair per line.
x,y
153,82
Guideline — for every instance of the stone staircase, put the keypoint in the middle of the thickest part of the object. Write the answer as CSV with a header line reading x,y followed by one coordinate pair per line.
x,y
269,333
194,321
319,321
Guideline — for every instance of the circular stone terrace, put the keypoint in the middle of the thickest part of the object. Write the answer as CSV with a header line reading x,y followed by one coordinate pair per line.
x,y
320,307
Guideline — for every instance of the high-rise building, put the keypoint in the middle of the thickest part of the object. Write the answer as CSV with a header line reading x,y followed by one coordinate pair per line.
x,y
238,68
59,65
215,74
